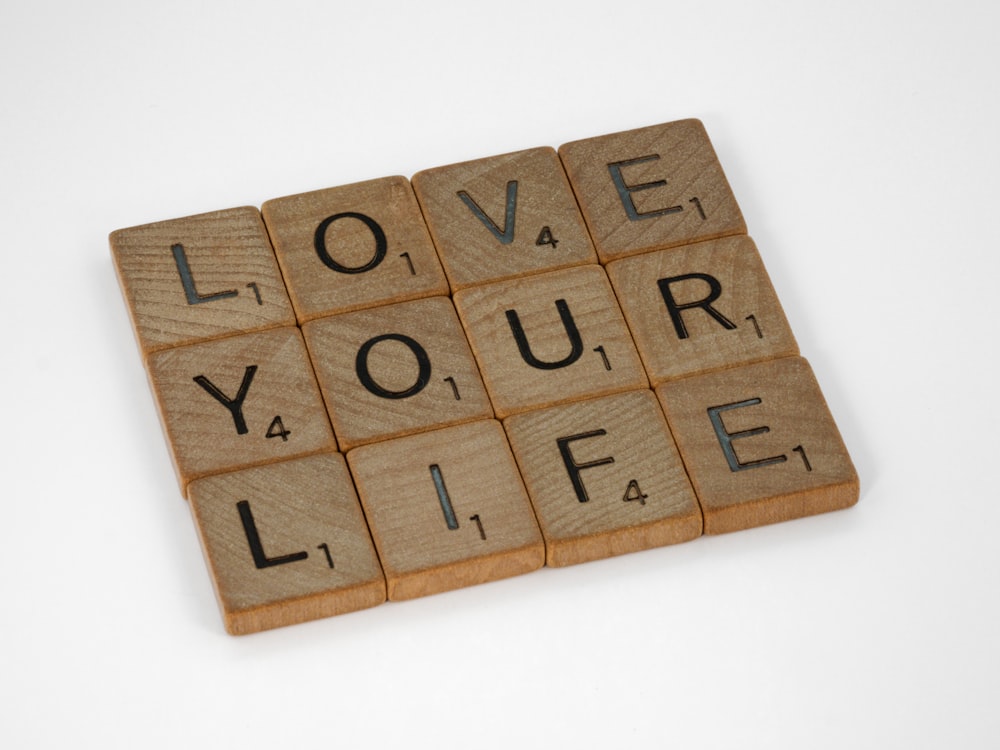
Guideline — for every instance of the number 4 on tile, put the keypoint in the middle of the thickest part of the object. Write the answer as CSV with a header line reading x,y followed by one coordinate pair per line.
x,y
634,494
545,238
277,429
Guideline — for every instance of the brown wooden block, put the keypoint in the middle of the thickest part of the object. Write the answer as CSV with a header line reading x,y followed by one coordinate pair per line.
x,y
239,402
604,477
549,339
651,188
759,444
198,278
503,216
352,247
447,509
390,371
701,307
286,543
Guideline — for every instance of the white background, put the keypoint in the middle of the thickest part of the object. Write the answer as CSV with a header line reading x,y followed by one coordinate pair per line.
x,y
861,140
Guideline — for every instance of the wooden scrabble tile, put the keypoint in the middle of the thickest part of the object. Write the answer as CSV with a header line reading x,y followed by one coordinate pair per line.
x,y
503,216
198,278
604,477
446,509
701,307
759,444
239,402
651,188
286,543
393,370
352,247
578,278
548,339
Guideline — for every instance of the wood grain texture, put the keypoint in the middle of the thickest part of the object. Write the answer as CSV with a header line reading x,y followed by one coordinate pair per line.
x,y
286,543
578,278
701,307
651,188
394,370
489,532
759,444
268,382
352,247
604,477
589,352
222,280
503,216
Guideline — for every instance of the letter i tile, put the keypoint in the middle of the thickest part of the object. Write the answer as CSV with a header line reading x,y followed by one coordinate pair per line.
x,y
447,509
199,278
239,402
286,543
759,444
604,477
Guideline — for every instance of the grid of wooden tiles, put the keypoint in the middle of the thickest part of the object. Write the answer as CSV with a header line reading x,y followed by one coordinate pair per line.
x,y
391,389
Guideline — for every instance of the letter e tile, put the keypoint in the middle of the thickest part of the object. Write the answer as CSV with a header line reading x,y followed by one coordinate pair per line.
x,y
651,188
199,278
604,477
447,509
286,543
759,444
239,402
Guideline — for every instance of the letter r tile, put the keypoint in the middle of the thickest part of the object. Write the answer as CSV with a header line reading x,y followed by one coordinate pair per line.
x,y
604,477
651,188
352,247
446,509
759,444
701,307
239,402
503,216
286,543
199,278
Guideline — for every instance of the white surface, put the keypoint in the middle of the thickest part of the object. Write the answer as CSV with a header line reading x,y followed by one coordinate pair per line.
x,y
861,140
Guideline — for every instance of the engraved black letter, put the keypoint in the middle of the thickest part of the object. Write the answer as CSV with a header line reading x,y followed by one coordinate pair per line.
x,y
571,330
423,362
256,548
187,280
320,243
726,438
506,236
443,497
573,468
235,405
715,290
625,191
